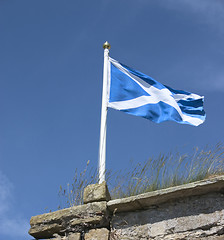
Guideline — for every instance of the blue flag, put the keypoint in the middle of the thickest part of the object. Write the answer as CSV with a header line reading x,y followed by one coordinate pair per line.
x,y
137,94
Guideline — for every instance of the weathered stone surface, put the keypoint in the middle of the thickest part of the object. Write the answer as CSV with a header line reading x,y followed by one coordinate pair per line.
x,y
146,200
96,193
57,237
71,236
74,236
97,234
45,230
188,218
210,238
197,235
79,217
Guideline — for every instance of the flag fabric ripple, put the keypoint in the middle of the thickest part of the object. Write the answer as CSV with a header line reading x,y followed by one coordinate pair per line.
x,y
137,94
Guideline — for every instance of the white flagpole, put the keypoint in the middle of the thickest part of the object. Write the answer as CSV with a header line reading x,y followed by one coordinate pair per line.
x,y
103,126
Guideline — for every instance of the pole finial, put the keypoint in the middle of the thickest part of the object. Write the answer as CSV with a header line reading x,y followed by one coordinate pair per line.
x,y
106,45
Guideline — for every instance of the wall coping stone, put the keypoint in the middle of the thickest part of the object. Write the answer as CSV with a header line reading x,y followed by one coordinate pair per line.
x,y
76,218
147,200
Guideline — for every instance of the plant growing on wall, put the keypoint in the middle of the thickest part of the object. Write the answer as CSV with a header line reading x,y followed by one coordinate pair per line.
x,y
156,173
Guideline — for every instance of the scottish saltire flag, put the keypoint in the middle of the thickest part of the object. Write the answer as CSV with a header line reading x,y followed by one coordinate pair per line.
x,y
137,94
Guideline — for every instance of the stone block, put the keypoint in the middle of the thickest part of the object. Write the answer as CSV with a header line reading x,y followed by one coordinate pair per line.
x,y
45,230
96,193
97,234
78,217
57,237
74,236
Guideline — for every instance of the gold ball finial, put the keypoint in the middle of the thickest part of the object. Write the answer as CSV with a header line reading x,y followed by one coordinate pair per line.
x,y
106,45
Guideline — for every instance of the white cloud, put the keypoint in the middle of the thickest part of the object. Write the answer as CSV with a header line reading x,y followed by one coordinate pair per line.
x,y
5,193
215,80
210,12
11,223
219,82
210,77
14,227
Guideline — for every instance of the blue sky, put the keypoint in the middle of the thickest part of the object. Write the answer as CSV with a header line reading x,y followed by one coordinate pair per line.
x,y
51,65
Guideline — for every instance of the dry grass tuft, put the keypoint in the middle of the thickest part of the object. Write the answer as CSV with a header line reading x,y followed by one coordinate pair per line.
x,y
153,174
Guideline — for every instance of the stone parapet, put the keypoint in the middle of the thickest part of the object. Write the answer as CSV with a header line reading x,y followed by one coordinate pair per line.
x,y
191,211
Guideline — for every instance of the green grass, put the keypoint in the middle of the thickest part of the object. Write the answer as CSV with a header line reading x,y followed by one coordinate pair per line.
x,y
156,173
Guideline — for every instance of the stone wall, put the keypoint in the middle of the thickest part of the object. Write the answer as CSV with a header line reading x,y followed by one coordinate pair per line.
x,y
191,211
